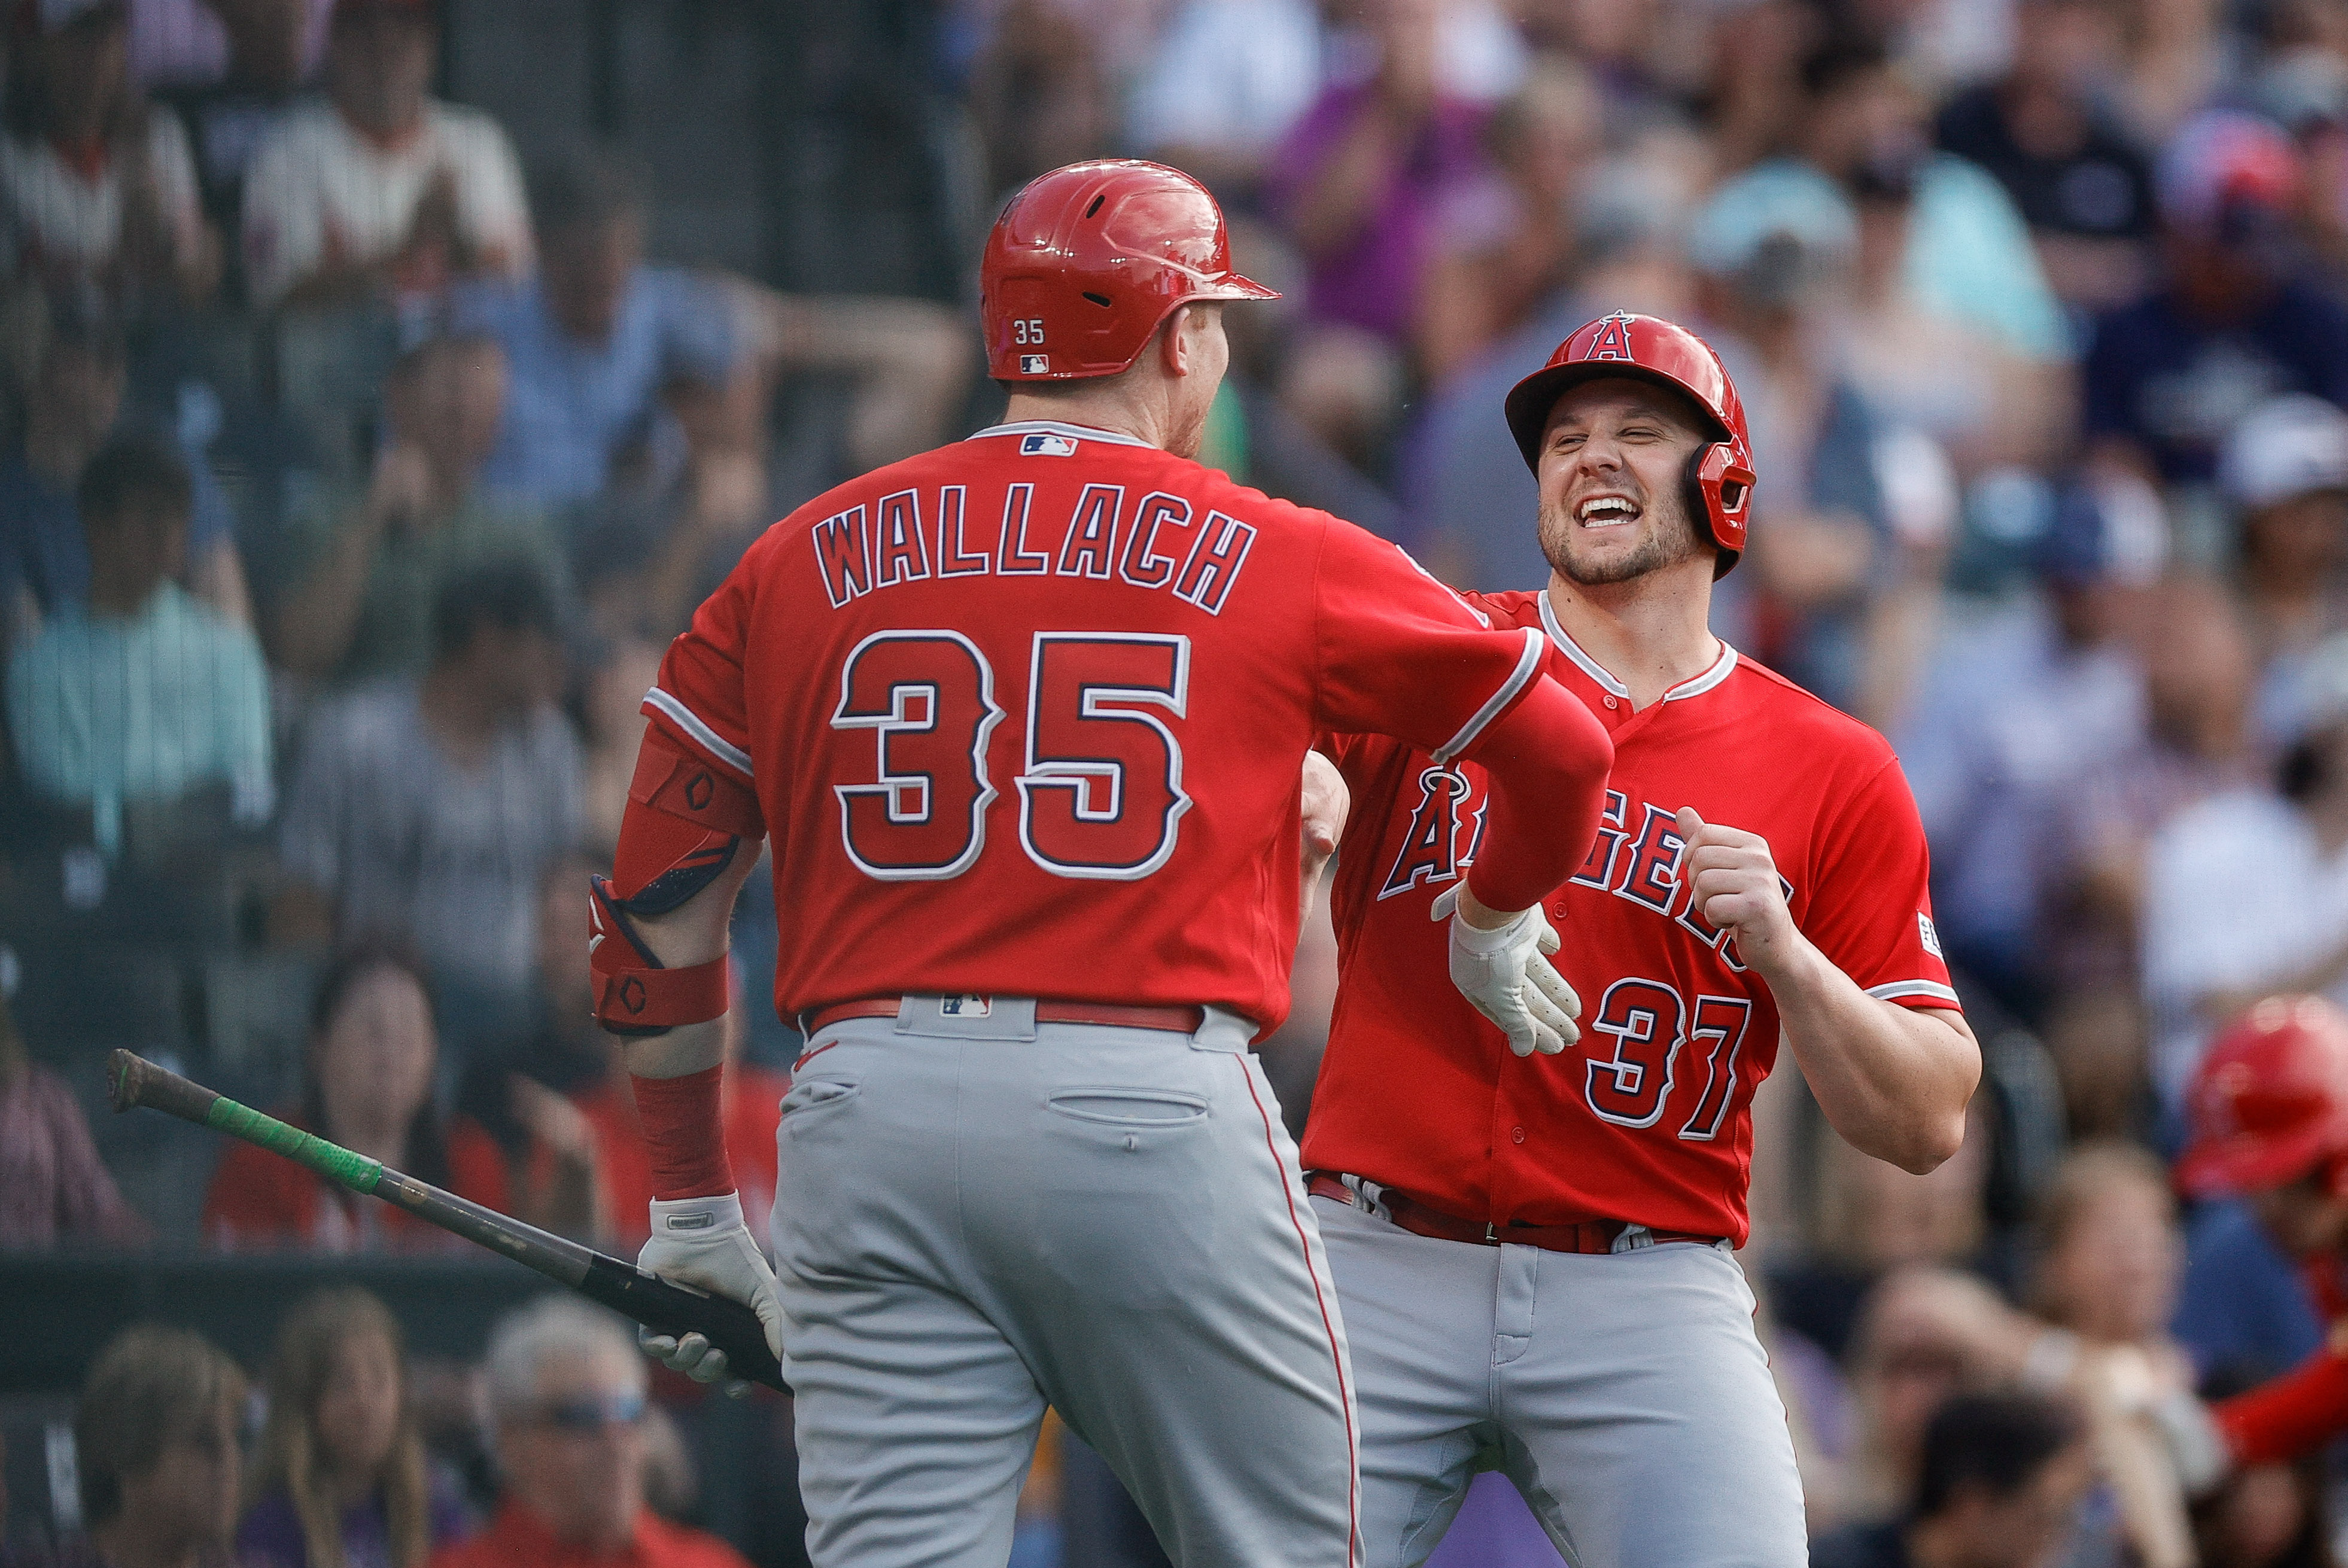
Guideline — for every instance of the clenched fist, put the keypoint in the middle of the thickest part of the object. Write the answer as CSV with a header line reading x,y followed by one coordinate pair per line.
x,y
1735,886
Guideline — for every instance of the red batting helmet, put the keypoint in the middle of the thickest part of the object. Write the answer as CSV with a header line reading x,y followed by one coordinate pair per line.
x,y
1088,260
1720,478
2270,1102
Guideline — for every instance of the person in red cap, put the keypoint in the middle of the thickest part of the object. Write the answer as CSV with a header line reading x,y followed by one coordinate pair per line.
x,y
2270,1117
1534,1251
1026,719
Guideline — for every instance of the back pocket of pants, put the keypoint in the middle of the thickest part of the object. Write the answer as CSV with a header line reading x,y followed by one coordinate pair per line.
x,y
1164,1109
812,1097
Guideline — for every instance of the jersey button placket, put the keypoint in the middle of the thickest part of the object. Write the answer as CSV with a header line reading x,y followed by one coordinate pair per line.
x,y
1516,1134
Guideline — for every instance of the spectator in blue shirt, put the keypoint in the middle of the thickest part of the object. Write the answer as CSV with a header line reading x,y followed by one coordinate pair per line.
x,y
598,343
2236,323
141,694
75,404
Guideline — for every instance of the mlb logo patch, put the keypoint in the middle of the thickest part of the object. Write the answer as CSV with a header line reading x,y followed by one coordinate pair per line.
x,y
970,1006
1034,364
1931,937
1045,445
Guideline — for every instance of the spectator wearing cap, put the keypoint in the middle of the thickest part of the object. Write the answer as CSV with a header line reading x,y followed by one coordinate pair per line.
x,y
2246,895
2001,1484
75,404
156,1452
140,694
2235,323
95,188
2283,474
2015,713
567,1410
428,806
2046,132
361,571
383,190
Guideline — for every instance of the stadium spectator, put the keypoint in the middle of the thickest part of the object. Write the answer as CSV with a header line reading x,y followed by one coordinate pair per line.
x,y
428,807
54,1189
2236,322
367,1085
2246,895
1360,182
342,1479
1040,92
2283,473
611,703
567,1407
179,43
1999,1487
1508,241
1227,79
156,1451
2017,712
2196,742
596,341
95,188
382,192
2262,1515
141,694
268,57
2047,132
1917,1343
521,1089
73,404
364,573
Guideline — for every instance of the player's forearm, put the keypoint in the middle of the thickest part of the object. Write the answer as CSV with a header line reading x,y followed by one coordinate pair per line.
x,y
695,932
2289,1417
1894,1081
1548,758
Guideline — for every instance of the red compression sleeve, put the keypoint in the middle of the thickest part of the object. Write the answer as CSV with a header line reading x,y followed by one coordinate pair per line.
x,y
1548,757
2295,1414
685,1132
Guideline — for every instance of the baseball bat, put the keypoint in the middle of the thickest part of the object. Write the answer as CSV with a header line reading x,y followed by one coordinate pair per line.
x,y
660,1304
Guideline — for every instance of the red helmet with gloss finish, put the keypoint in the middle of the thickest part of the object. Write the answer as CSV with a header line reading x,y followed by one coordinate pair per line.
x,y
1086,261
2270,1102
1647,348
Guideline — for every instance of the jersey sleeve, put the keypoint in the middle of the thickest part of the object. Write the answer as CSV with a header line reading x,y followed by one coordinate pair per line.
x,y
698,699
1397,653
1870,908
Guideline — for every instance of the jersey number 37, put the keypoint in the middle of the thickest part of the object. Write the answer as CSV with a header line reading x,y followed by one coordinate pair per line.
x,y
1100,794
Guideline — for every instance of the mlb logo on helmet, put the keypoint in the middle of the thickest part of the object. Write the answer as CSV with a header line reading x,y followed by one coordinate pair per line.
x,y
1034,364
1041,445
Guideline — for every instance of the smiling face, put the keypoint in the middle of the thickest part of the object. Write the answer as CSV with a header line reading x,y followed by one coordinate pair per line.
x,y
1612,472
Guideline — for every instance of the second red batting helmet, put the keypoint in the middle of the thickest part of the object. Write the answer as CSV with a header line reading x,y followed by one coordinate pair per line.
x,y
1086,261
2270,1102
1720,477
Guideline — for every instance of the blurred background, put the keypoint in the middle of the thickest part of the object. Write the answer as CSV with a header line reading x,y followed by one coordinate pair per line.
x,y
382,383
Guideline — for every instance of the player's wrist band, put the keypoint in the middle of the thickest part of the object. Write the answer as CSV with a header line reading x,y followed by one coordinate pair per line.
x,y
684,1133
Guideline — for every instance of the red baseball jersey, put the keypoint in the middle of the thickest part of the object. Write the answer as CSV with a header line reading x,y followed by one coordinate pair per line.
x,y
1648,1118
1026,715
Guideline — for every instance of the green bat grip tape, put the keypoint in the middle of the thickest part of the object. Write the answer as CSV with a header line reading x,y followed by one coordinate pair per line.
x,y
356,1171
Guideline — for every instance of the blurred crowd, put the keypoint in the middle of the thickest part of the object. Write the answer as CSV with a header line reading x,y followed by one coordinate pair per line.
x,y
356,465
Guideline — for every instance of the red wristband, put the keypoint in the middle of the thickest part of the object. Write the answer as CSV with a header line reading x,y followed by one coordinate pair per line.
x,y
685,1132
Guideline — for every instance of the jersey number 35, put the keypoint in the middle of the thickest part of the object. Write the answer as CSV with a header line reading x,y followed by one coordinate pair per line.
x,y
1100,795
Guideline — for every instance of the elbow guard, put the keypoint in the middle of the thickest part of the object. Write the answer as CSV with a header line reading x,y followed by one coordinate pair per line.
x,y
686,822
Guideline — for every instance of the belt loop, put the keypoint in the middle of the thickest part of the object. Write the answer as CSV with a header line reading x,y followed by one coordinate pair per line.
x,y
1631,1237
1491,1234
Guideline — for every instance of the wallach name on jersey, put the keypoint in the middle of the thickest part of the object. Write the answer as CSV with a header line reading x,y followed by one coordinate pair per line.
x,y
914,536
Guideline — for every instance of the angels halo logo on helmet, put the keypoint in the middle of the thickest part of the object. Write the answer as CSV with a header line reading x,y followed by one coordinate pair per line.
x,y
1086,262
1647,348
2269,1101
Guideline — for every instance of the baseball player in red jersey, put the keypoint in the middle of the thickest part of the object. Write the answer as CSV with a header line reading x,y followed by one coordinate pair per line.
x,y
2270,1111
1025,717
1533,1250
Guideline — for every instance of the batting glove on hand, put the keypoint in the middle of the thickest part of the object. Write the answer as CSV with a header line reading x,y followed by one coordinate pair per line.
x,y
1506,975
703,1243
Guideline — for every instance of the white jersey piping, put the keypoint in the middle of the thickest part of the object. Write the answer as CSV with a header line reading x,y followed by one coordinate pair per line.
x,y
1055,427
1528,666
690,721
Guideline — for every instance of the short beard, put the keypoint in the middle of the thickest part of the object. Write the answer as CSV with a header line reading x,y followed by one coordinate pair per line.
x,y
1671,541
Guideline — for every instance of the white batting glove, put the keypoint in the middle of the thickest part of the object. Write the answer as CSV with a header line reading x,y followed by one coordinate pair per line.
x,y
703,1243
1506,975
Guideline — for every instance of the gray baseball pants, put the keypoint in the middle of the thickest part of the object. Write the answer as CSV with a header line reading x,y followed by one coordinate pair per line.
x,y
980,1215
1626,1396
